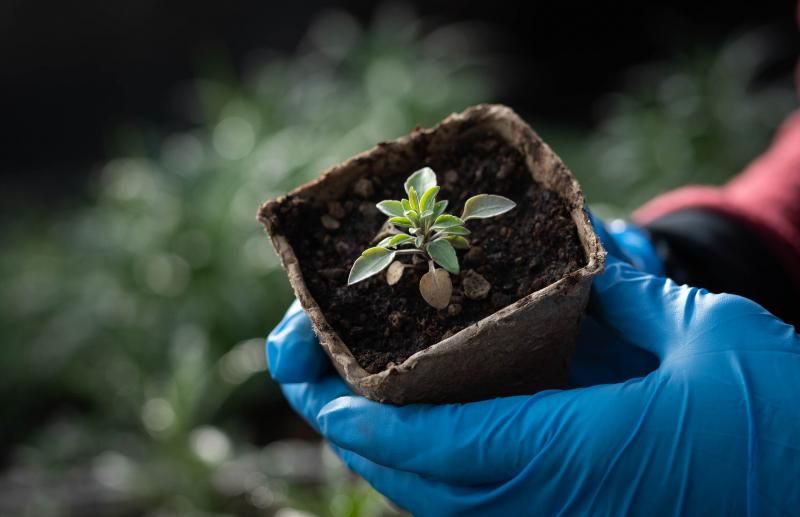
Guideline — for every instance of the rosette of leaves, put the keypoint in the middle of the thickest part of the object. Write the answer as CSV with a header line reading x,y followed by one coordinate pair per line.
x,y
419,228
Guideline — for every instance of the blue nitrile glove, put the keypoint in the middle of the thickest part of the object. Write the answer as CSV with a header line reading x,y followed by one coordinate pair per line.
x,y
628,242
715,429
602,357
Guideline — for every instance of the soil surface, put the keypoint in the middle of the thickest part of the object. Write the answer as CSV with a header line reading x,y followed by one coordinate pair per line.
x,y
517,253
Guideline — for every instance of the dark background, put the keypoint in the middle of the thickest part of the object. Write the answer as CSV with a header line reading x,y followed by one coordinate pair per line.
x,y
74,72
138,137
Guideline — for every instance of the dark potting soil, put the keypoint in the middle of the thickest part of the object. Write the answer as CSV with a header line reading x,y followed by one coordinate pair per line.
x,y
518,253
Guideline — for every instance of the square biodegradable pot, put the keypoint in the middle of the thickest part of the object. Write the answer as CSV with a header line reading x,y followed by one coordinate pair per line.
x,y
523,348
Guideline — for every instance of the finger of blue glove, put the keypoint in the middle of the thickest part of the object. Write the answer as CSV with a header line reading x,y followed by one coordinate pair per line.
x,y
648,311
663,317
308,398
409,491
438,441
293,352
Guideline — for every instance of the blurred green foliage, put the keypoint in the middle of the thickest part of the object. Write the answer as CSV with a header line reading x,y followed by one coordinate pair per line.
x,y
133,374
700,118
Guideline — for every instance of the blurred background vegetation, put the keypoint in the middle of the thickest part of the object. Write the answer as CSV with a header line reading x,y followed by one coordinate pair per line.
x,y
133,377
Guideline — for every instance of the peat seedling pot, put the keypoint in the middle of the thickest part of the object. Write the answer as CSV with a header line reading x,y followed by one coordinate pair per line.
x,y
513,316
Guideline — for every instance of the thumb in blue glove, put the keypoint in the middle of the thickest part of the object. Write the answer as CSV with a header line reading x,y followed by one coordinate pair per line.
x,y
713,430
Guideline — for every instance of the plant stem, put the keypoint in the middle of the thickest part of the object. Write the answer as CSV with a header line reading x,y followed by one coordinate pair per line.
x,y
411,252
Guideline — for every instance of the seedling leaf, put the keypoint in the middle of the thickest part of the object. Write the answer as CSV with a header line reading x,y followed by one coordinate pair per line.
x,y
458,242
442,252
421,180
456,230
486,205
399,240
428,198
371,262
391,208
446,221
436,288
401,221
439,207
413,198
412,216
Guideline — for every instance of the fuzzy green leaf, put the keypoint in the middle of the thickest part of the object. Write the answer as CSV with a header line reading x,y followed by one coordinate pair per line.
x,y
419,240
401,221
458,242
371,262
393,241
412,216
391,208
421,180
427,218
428,198
399,240
439,207
442,252
446,221
486,205
406,204
413,198
456,230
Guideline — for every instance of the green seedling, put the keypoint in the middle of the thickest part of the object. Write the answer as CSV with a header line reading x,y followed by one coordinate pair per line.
x,y
419,228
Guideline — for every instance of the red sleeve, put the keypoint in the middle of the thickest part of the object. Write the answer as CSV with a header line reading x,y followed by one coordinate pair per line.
x,y
765,198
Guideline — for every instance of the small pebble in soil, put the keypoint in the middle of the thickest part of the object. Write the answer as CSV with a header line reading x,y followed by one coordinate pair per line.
x,y
451,176
495,258
364,188
336,210
476,287
342,247
329,222
368,210
395,272
474,257
454,309
396,320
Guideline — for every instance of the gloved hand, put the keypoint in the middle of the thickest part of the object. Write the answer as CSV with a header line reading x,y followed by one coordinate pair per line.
x,y
714,429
